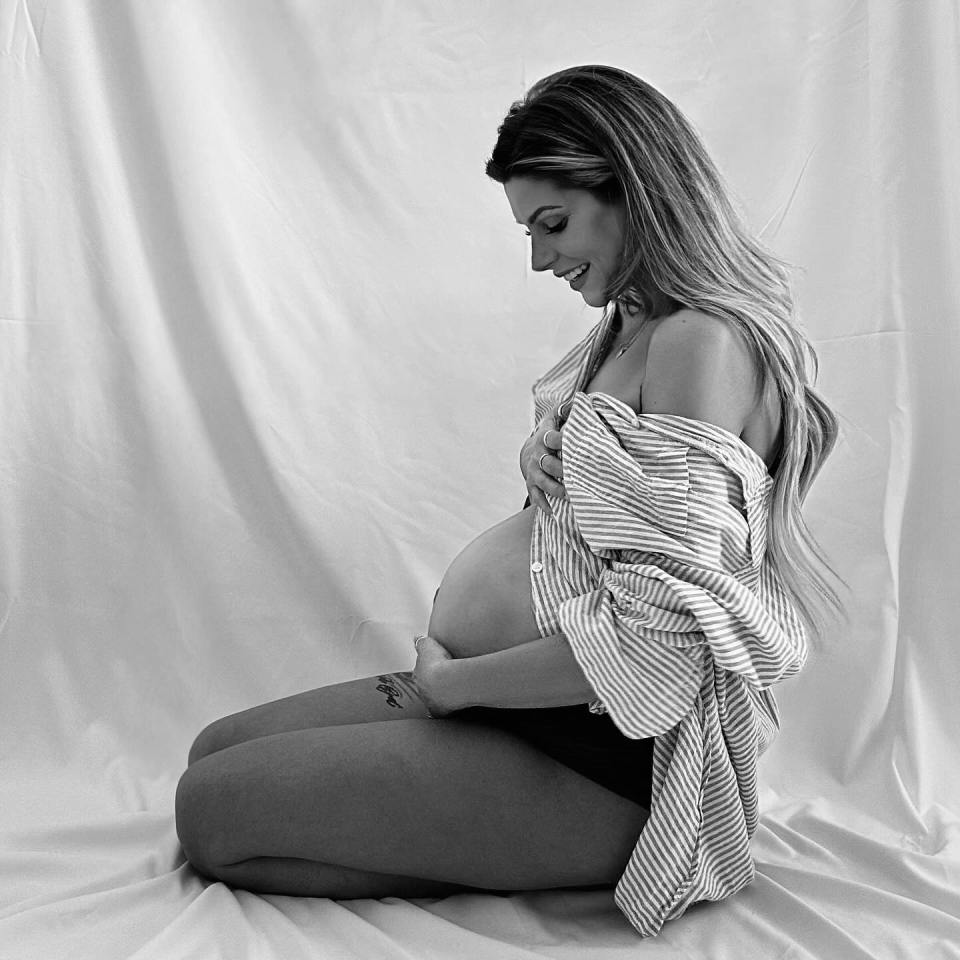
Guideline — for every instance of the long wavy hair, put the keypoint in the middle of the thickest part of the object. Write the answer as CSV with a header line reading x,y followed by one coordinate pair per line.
x,y
601,129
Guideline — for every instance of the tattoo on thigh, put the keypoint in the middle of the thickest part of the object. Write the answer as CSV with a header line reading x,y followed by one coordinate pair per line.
x,y
395,685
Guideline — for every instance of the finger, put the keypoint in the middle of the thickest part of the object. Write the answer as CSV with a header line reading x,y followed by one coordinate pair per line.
x,y
539,500
551,468
549,484
554,488
553,440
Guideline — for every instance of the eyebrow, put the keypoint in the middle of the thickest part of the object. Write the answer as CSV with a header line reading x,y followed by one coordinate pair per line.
x,y
539,210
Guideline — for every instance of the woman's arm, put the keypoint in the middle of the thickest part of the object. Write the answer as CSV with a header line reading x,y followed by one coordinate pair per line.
x,y
542,673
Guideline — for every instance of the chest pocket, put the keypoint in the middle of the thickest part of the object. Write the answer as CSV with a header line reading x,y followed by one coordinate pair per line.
x,y
626,500
663,479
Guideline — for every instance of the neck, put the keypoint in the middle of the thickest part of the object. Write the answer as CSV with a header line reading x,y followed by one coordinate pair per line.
x,y
628,320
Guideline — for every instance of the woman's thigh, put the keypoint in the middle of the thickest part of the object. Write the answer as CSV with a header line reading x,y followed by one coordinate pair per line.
x,y
443,799
384,696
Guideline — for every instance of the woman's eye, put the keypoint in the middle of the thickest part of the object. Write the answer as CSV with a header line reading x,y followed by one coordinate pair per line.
x,y
556,228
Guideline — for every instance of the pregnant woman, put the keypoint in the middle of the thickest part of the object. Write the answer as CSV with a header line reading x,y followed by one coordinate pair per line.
x,y
592,692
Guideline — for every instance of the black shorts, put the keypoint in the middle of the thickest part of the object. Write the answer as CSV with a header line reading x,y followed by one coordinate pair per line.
x,y
587,742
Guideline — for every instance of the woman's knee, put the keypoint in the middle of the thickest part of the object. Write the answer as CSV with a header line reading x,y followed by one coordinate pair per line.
x,y
215,736
195,830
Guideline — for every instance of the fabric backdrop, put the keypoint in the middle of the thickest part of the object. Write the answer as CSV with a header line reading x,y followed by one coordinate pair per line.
x,y
268,334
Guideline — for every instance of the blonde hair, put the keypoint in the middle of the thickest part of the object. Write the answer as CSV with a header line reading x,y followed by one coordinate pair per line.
x,y
604,130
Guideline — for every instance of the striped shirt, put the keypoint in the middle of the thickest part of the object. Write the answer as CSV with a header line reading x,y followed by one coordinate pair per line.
x,y
653,569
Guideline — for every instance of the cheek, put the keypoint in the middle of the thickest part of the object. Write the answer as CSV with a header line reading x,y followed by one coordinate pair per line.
x,y
610,239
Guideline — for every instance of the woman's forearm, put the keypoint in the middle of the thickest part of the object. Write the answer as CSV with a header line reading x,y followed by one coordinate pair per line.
x,y
542,673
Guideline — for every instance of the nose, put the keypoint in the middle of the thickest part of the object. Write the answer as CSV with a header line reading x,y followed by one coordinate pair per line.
x,y
541,254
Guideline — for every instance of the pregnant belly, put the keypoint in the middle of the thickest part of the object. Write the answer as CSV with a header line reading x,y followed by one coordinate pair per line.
x,y
484,600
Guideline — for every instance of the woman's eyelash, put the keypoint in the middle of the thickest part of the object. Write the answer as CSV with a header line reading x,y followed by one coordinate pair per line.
x,y
555,229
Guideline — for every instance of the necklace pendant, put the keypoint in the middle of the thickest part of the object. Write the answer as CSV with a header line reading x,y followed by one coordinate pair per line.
x,y
626,346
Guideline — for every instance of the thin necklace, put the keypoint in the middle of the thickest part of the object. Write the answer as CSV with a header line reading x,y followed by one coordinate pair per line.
x,y
602,347
629,343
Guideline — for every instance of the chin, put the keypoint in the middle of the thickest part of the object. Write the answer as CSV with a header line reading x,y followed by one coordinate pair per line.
x,y
592,299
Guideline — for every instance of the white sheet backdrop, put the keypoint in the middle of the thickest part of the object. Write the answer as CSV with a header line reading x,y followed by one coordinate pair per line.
x,y
267,340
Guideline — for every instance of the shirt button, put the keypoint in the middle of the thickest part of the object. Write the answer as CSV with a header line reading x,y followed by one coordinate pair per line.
x,y
536,566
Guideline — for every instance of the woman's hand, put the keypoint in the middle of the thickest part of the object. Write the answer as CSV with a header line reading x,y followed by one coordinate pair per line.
x,y
541,463
427,672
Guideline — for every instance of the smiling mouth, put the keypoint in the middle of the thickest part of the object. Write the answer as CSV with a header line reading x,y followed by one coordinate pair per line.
x,y
572,275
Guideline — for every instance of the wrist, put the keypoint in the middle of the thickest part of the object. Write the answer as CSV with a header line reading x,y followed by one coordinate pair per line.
x,y
449,686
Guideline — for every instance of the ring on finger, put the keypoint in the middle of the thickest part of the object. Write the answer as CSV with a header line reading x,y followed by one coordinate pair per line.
x,y
540,461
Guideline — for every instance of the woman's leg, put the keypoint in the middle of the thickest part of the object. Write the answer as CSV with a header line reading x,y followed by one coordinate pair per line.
x,y
442,800
295,877
384,696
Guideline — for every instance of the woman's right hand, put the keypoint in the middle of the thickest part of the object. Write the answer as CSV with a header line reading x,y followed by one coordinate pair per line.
x,y
541,462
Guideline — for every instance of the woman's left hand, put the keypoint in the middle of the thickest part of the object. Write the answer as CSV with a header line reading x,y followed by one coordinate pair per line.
x,y
431,657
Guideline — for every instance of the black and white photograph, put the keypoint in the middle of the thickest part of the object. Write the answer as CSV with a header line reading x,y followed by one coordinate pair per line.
x,y
477,479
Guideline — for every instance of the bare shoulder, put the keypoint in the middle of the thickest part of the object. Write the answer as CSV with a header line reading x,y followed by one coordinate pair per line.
x,y
699,366
692,330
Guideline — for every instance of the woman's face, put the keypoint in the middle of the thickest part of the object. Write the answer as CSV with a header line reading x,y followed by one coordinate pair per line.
x,y
568,229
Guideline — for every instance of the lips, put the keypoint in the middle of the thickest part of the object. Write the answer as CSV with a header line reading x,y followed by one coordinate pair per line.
x,y
579,281
571,275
